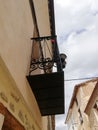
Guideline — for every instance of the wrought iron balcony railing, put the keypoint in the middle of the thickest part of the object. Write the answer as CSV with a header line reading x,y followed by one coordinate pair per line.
x,y
48,87
45,55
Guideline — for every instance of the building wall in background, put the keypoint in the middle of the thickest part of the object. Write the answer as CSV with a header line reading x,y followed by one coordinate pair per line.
x,y
92,109
77,119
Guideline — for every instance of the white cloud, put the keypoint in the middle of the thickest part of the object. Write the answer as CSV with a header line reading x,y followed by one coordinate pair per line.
x,y
75,16
77,31
61,123
81,50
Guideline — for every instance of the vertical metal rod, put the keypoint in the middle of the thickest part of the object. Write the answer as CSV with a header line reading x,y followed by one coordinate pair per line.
x,y
36,25
56,56
55,47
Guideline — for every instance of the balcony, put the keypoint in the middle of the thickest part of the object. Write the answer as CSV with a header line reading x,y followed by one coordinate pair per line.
x,y
49,92
48,86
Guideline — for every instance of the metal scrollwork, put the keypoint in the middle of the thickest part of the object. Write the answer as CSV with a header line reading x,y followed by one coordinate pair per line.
x,y
46,63
47,53
41,63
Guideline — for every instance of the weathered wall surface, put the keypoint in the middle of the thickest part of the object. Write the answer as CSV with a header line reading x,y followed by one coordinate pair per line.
x,y
16,29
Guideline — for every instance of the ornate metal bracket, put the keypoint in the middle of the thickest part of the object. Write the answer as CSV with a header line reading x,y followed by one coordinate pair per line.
x,y
47,54
44,64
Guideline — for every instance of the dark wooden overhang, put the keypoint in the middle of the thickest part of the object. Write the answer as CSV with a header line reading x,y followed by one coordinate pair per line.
x,y
49,92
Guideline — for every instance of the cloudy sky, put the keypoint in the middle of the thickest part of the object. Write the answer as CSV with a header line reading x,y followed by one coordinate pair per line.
x,y
77,31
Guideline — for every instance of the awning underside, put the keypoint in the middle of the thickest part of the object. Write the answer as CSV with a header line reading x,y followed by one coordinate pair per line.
x,y
49,92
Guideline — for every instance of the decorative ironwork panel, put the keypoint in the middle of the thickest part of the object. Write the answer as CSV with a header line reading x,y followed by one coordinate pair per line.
x,y
45,54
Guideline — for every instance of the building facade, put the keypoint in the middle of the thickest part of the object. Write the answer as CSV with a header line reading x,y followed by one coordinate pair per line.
x,y
19,22
92,109
76,118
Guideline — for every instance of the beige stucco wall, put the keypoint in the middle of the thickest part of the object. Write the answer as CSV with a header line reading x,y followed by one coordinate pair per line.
x,y
16,29
93,115
86,123
93,118
11,98
42,15
84,94
45,123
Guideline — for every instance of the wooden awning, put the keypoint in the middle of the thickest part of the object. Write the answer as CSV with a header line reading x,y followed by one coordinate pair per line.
x,y
49,92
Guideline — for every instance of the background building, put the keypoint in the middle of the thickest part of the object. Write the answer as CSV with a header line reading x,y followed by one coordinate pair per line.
x,y
76,118
92,109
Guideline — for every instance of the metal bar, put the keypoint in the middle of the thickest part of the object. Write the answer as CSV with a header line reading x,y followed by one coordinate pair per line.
x,y
55,46
45,37
57,56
